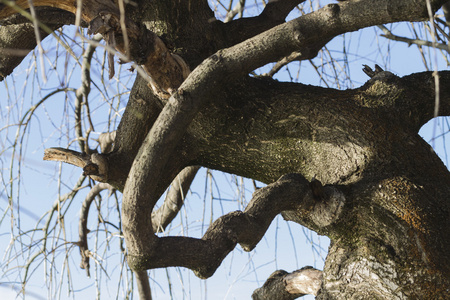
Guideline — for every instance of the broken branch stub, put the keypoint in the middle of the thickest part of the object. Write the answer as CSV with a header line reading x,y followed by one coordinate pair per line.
x,y
166,69
282,285
94,165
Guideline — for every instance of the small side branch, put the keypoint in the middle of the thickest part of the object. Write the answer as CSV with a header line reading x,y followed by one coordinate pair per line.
x,y
286,286
174,199
94,165
389,35
82,227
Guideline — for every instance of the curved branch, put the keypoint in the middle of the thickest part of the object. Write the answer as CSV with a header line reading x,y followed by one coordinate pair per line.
x,y
82,225
291,192
14,50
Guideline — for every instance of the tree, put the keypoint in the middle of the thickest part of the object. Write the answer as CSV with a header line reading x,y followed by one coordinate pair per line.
x,y
348,164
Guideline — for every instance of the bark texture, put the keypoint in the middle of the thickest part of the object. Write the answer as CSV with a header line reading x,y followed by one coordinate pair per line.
x,y
379,192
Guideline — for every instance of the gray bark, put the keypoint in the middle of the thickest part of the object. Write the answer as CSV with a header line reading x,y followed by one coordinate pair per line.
x,y
384,200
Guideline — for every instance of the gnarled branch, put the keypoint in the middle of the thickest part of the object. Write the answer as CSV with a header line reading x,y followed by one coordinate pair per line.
x,y
290,192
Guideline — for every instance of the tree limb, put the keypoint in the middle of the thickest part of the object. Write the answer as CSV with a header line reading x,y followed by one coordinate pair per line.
x,y
389,35
143,285
16,41
290,192
146,48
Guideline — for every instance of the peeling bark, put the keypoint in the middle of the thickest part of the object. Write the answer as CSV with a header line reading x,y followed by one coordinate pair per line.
x,y
282,285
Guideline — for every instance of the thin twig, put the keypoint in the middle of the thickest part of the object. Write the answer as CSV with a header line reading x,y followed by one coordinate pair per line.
x,y
82,227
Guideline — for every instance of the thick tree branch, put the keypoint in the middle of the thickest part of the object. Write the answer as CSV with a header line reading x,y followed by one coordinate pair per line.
x,y
16,41
290,192
143,285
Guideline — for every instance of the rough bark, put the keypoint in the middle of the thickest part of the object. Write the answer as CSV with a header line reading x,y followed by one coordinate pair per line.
x,y
384,200
282,285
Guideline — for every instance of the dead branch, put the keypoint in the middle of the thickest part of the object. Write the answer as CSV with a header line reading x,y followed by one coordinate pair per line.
x,y
389,35
95,165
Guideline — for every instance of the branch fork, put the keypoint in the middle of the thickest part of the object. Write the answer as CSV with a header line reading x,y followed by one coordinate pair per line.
x,y
291,193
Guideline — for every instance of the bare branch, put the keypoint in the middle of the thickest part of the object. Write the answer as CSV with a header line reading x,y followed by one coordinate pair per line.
x,y
82,225
389,35
291,192
82,95
94,165
143,285
174,199
238,9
